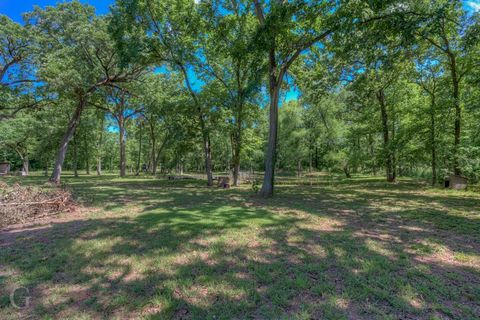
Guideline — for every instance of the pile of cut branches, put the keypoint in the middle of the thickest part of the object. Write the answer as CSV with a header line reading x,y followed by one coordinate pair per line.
x,y
19,204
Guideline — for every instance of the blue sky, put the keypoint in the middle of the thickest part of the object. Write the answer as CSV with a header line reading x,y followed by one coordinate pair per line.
x,y
15,8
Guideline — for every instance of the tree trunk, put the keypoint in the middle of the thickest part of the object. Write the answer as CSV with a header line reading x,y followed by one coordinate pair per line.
x,y
236,157
25,165
208,158
153,157
372,154
236,169
62,150
123,160
205,135
433,142
100,145
270,157
458,114
75,158
99,166
159,152
347,171
386,138
139,156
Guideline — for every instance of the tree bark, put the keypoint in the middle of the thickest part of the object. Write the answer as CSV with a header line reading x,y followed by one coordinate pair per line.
x,y
432,141
99,166
100,145
123,161
270,156
299,168
208,158
156,157
346,170
386,137
236,168
139,156
154,143
87,156
75,158
67,137
458,113
25,165
372,154
236,149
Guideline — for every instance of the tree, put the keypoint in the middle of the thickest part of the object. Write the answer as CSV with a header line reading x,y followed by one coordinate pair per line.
x,y
227,60
445,32
288,29
18,134
169,31
77,56
16,72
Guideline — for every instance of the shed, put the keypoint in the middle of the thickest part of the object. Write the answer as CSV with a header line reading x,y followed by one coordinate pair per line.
x,y
4,168
456,182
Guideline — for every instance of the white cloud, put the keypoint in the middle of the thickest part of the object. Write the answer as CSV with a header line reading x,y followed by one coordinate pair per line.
x,y
474,5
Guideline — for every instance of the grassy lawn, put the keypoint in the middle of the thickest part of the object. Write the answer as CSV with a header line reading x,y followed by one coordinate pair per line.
x,y
326,248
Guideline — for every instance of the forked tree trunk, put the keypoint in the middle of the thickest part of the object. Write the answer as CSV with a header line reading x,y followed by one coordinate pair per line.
x,y
67,137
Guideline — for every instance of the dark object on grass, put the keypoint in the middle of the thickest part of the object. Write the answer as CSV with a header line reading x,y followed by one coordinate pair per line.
x,y
4,168
223,182
456,182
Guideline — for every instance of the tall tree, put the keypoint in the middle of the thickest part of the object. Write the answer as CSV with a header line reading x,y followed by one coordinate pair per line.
x,y
445,31
77,56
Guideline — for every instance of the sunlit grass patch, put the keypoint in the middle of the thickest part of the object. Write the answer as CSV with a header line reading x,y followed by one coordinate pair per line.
x,y
351,249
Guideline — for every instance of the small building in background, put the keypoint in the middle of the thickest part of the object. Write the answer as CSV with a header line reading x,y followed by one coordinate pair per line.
x,y
456,182
4,168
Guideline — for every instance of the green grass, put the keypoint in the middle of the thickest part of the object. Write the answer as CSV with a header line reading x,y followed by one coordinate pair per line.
x,y
322,248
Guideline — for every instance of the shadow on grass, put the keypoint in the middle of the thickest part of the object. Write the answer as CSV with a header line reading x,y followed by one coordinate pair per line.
x,y
178,250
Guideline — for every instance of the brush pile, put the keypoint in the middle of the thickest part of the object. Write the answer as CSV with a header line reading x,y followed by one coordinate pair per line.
x,y
20,204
